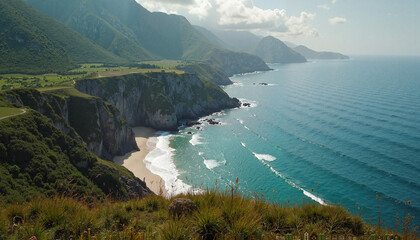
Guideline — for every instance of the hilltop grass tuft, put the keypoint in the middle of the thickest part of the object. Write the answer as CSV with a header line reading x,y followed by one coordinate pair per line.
x,y
218,213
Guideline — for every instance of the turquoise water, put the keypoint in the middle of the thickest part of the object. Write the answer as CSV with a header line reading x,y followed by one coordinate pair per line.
x,y
338,132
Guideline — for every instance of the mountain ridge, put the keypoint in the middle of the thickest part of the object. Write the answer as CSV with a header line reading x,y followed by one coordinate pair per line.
x,y
312,54
163,36
33,42
273,50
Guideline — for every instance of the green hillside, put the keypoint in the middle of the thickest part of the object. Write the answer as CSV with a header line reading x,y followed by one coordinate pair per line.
x,y
206,72
127,29
94,20
31,42
38,159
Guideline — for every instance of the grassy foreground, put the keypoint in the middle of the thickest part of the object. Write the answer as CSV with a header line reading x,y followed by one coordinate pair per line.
x,y
218,213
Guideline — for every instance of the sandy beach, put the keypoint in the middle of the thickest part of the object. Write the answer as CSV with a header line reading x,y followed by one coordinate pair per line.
x,y
133,161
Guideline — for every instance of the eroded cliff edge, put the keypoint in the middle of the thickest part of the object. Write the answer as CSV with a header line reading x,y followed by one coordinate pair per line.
x,y
83,117
159,100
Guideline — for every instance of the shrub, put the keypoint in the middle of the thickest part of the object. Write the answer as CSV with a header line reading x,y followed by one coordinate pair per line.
x,y
175,230
207,223
26,231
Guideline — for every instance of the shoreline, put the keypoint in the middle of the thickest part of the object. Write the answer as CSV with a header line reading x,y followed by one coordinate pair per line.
x,y
134,161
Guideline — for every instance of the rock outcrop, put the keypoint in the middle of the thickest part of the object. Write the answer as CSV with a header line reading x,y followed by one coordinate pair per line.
x,y
159,100
181,206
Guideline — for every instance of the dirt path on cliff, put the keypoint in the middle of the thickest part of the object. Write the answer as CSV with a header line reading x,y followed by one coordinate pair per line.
x,y
14,115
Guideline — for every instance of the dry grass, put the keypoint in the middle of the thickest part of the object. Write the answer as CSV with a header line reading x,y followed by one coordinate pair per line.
x,y
218,214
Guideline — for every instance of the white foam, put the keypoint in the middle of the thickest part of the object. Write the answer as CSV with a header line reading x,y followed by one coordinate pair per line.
x,y
239,84
195,140
160,162
252,103
210,164
200,154
265,157
306,193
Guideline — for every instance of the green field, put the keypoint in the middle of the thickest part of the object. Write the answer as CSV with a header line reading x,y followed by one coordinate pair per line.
x,y
11,81
51,81
4,111
165,63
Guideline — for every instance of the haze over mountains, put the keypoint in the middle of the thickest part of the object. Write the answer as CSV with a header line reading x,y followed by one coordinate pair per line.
x,y
269,48
108,31
128,30
311,54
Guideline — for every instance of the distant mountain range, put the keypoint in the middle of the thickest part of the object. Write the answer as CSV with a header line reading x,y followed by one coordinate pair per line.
x,y
244,41
311,54
272,50
128,30
111,31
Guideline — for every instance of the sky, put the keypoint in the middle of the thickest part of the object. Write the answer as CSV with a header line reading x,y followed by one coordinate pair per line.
x,y
358,27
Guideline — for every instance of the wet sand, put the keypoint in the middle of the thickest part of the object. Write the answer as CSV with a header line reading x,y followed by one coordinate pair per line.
x,y
133,161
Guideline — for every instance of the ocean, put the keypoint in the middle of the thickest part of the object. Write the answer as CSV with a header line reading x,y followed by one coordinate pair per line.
x,y
341,132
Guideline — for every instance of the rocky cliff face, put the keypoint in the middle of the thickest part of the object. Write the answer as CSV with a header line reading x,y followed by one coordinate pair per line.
x,y
98,123
159,100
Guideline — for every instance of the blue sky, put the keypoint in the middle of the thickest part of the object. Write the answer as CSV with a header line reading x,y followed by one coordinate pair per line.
x,y
371,27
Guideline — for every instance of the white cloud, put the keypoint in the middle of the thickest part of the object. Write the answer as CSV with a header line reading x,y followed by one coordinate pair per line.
x,y
324,6
333,1
337,20
201,9
237,15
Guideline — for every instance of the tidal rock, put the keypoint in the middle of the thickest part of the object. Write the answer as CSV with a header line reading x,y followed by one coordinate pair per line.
x,y
212,122
192,123
181,206
246,104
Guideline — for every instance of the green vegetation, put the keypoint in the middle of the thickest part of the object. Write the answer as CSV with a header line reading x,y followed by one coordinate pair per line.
x,y
128,30
218,214
13,81
37,159
4,111
166,64
49,82
206,72
31,42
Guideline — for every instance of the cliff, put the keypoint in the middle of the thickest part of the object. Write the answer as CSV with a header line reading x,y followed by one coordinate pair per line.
x,y
37,159
83,117
159,100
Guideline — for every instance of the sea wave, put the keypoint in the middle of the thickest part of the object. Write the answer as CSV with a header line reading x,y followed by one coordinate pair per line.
x,y
262,158
265,157
210,164
195,140
160,162
306,193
